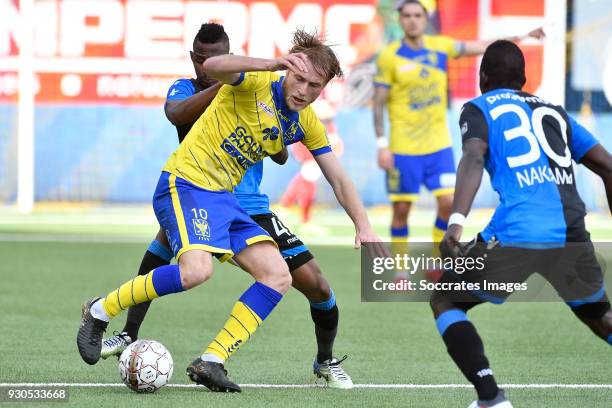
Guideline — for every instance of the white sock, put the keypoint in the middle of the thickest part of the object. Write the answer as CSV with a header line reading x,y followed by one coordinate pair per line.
x,y
212,358
98,312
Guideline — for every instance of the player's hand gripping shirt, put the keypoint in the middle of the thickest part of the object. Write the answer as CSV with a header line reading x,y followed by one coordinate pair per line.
x,y
418,88
531,147
245,123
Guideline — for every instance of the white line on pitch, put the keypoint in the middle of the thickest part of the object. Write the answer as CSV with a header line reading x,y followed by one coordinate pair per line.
x,y
407,386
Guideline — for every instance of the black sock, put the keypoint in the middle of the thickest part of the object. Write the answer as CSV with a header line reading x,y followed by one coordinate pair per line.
x,y
326,327
136,314
465,347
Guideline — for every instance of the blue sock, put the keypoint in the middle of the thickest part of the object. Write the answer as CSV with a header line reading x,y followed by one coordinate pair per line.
x,y
448,318
261,299
167,279
610,339
328,304
160,250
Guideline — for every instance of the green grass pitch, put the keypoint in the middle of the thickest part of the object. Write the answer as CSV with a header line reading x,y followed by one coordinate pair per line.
x,y
45,283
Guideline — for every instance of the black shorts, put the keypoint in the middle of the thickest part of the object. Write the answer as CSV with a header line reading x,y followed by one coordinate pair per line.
x,y
293,250
573,271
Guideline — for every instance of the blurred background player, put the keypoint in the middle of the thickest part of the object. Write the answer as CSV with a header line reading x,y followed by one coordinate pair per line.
x,y
185,104
302,189
527,146
412,79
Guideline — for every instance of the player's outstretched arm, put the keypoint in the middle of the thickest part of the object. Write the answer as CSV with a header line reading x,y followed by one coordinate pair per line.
x,y
479,47
227,68
180,112
385,159
599,161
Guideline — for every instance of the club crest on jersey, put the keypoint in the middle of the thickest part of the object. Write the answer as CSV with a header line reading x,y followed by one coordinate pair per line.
x,y
201,228
266,108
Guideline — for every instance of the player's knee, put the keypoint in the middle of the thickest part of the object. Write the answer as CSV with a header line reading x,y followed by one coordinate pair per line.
x,y
195,272
281,280
440,304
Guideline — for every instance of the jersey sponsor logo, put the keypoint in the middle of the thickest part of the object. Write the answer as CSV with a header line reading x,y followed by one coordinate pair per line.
x,y
271,133
531,130
514,97
243,147
266,108
421,97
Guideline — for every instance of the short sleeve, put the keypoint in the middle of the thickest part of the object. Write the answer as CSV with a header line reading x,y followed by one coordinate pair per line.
x,y
384,69
315,134
179,90
473,123
582,140
252,81
451,47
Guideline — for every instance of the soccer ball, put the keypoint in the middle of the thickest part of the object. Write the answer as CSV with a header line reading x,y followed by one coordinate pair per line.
x,y
145,366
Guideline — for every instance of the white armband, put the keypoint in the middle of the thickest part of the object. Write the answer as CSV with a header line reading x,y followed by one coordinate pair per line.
x,y
456,218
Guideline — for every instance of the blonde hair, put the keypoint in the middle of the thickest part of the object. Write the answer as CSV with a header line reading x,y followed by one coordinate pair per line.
x,y
321,56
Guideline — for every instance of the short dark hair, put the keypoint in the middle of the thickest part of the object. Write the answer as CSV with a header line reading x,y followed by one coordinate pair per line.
x,y
211,33
503,64
401,3
320,55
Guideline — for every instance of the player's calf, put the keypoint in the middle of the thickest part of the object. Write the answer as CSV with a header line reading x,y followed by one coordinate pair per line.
x,y
596,315
464,345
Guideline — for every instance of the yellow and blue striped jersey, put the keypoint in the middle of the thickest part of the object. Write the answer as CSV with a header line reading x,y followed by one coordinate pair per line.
x,y
246,122
418,88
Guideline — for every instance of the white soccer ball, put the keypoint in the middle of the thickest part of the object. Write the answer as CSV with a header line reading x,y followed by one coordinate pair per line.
x,y
145,366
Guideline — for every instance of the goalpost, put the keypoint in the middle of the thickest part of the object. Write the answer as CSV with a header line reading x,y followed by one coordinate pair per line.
x,y
25,121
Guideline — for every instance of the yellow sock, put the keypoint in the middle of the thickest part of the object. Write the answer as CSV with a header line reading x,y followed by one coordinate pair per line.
x,y
438,232
237,330
135,291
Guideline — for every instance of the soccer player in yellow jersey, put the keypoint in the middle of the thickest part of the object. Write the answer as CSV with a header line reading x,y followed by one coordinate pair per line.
x,y
412,82
255,114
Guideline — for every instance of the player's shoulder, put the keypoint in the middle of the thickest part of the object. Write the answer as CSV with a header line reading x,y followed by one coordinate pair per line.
x,y
180,88
437,42
390,49
182,82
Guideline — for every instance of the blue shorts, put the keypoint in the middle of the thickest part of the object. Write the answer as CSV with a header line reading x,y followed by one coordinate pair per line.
x,y
435,170
195,218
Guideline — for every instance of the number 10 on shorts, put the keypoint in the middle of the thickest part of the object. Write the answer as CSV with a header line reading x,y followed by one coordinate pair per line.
x,y
200,223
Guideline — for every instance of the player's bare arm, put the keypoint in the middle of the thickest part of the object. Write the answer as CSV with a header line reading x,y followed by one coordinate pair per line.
x,y
599,161
385,158
469,176
227,68
479,47
280,157
189,109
